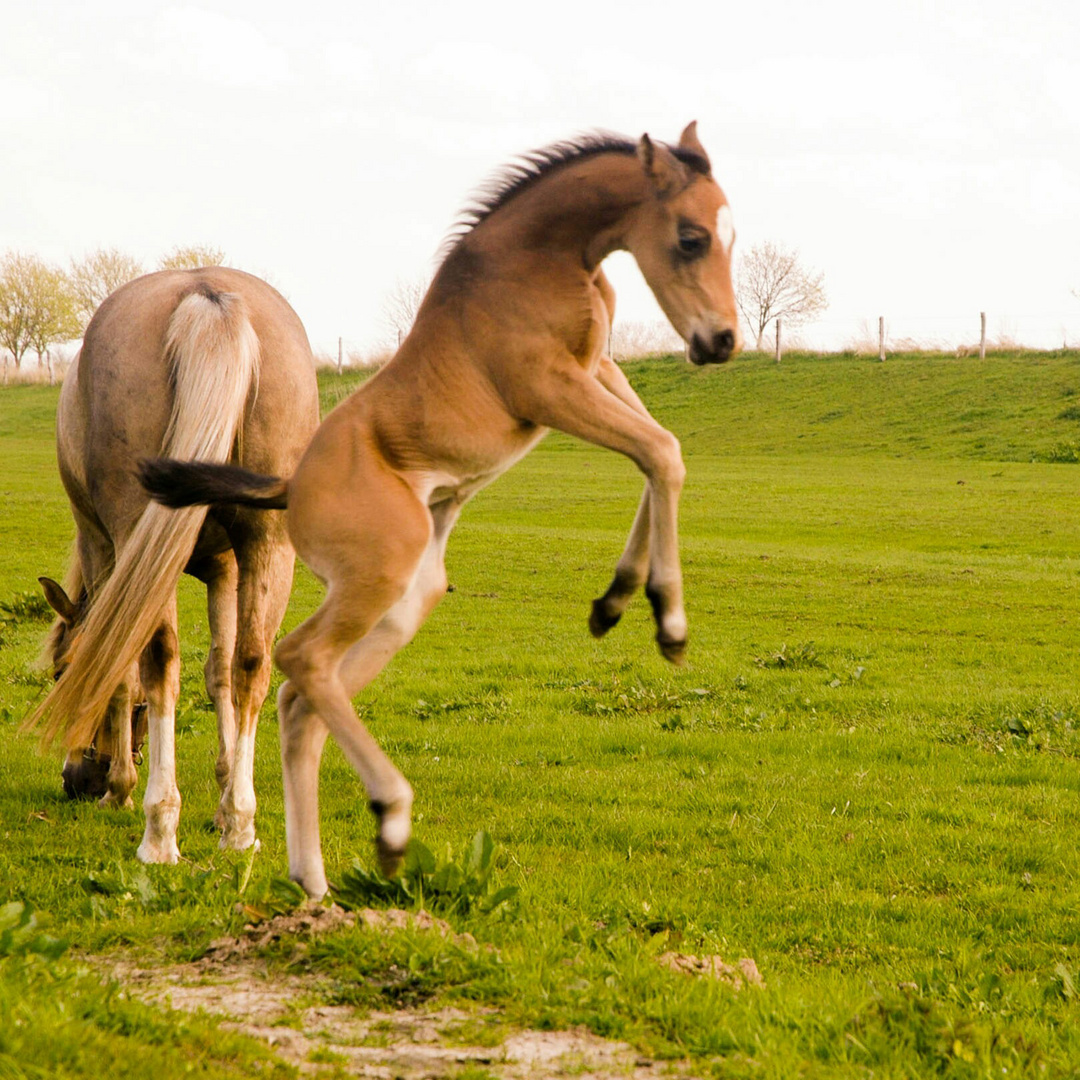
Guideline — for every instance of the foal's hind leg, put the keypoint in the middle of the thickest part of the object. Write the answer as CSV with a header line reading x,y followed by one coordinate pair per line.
x,y
376,601
266,568
159,669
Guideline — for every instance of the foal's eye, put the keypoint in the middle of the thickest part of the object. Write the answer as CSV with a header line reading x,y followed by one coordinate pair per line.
x,y
693,243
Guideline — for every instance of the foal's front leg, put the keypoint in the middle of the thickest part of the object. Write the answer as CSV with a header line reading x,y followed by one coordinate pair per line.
x,y
632,569
566,398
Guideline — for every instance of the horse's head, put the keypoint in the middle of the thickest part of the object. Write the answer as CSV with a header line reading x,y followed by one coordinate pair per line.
x,y
86,770
681,237
69,613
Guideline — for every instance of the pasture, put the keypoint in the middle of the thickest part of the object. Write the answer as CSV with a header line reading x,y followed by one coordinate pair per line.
x,y
866,778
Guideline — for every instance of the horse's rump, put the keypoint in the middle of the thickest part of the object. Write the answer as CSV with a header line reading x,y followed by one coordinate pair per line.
x,y
211,353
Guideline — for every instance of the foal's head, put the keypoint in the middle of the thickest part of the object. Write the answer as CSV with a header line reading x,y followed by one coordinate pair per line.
x,y
681,237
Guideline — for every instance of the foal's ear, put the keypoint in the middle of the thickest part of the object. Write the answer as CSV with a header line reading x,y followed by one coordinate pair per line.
x,y
667,173
689,140
58,600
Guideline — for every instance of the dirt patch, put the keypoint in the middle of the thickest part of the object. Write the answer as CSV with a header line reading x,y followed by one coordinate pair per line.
x,y
744,973
285,1011
316,919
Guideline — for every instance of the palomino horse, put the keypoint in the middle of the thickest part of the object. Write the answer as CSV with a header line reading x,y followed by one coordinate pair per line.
x,y
212,364
509,342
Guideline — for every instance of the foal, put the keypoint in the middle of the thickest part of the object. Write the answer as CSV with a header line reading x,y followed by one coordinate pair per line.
x,y
508,343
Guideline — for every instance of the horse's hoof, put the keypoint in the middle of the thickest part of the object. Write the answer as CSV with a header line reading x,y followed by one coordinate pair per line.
x,y
116,802
390,858
164,854
600,621
675,651
238,840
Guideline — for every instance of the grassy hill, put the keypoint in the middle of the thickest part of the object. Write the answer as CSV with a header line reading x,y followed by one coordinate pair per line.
x,y
865,778
1009,407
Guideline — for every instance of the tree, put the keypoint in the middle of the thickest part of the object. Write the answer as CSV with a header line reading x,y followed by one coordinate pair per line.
x,y
771,284
97,275
191,258
37,307
401,305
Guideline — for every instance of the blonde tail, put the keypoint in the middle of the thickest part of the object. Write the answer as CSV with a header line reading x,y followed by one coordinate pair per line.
x,y
213,355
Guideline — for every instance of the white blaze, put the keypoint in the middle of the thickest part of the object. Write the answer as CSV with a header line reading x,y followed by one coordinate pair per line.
x,y
725,227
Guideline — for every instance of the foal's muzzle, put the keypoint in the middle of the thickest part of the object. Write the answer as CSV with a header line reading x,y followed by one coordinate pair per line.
x,y
715,350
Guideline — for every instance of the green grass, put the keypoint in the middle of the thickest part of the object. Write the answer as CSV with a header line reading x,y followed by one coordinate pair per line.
x,y
866,778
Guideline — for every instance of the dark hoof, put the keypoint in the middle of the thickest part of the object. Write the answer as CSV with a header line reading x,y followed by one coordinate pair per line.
x,y
675,651
87,778
600,622
390,858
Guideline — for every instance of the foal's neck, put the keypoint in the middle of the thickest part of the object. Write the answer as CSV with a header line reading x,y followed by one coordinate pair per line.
x,y
578,210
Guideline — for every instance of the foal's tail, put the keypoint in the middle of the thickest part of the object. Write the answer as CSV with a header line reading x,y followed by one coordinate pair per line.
x,y
213,356
198,483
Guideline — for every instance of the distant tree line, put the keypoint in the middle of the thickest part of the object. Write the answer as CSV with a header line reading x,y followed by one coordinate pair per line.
x,y
43,304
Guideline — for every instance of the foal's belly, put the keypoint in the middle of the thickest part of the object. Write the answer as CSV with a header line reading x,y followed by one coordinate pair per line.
x,y
459,481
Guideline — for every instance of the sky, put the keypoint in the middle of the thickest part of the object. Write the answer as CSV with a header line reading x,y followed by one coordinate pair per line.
x,y
924,156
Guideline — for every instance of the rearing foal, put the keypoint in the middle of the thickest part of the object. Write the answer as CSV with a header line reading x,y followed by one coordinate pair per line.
x,y
508,342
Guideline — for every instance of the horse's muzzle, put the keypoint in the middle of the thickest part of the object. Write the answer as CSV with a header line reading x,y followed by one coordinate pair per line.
x,y
87,777
717,350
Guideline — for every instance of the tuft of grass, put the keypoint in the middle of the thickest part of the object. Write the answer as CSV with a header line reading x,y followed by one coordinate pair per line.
x,y
462,885
25,606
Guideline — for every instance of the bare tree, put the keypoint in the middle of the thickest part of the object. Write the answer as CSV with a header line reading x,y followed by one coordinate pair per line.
x,y
401,305
770,283
192,257
37,307
97,275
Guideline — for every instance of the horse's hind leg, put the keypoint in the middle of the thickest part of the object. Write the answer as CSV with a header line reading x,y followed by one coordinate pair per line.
x,y
266,569
220,577
159,670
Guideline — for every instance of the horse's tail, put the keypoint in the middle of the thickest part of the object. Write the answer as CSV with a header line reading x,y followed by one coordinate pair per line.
x,y
213,357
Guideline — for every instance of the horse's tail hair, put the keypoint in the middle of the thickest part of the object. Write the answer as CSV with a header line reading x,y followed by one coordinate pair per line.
x,y
198,483
213,357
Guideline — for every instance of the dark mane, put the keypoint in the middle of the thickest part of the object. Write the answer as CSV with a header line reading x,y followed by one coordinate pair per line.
x,y
535,164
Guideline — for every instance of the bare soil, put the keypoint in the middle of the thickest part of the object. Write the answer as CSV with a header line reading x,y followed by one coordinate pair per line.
x,y
233,982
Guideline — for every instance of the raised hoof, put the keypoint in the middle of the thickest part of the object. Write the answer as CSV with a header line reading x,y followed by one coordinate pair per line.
x,y
390,858
600,622
675,651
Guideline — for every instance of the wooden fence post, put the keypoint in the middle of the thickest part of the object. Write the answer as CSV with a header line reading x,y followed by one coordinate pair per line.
x,y
340,356
778,339
982,336
881,338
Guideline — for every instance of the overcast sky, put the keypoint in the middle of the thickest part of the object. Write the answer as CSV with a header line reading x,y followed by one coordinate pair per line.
x,y
924,156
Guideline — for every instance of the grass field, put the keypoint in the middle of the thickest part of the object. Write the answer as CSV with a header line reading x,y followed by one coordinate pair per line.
x,y
866,778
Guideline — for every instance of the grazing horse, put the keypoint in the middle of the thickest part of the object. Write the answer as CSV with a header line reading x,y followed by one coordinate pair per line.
x,y
212,364
508,343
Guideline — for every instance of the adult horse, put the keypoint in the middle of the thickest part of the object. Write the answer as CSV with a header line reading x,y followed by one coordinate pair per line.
x,y
508,342
211,364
